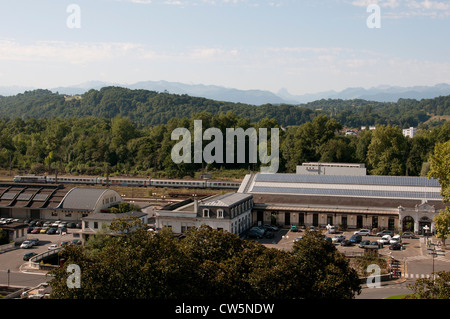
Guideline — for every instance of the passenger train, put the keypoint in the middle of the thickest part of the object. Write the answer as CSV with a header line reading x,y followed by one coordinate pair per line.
x,y
121,181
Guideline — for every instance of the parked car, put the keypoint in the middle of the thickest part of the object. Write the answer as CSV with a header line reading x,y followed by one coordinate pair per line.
x,y
52,246
338,238
71,225
44,230
271,227
298,238
408,235
328,239
255,234
268,234
385,232
60,230
34,241
395,246
395,239
27,256
346,243
363,243
51,231
374,244
26,244
312,228
46,224
385,239
355,239
294,228
64,243
76,242
62,225
55,223
331,230
29,230
362,232
36,230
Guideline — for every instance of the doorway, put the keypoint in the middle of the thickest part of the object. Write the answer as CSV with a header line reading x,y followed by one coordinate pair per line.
x,y
359,221
408,224
315,220
287,219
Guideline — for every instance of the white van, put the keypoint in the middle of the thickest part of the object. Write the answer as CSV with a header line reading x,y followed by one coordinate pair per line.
x,y
395,239
385,239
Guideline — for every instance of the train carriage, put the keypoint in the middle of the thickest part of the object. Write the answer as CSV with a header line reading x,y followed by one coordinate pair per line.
x,y
124,181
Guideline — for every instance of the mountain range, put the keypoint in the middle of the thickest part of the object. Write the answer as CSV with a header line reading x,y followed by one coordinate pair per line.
x,y
383,93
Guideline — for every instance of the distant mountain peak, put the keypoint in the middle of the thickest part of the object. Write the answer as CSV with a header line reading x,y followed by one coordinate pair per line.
x,y
380,93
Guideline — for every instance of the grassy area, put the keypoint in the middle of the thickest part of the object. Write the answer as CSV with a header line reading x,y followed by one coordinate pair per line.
x,y
228,174
439,118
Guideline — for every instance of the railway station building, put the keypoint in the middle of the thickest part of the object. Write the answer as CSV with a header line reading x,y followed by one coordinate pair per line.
x,y
347,201
53,201
231,212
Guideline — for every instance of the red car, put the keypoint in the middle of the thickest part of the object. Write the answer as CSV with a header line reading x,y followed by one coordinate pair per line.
x,y
36,230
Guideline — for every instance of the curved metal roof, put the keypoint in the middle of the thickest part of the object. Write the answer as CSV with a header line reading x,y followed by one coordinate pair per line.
x,y
84,198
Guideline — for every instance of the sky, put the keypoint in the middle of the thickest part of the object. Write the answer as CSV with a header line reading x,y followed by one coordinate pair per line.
x,y
304,46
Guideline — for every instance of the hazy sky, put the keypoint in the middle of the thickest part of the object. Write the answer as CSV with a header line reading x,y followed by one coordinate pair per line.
x,y
304,46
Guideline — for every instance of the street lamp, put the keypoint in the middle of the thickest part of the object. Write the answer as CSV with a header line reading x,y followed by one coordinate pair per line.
x,y
433,252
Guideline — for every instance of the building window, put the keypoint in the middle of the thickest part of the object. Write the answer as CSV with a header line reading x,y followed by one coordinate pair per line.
x,y
86,224
54,214
206,212
95,225
220,213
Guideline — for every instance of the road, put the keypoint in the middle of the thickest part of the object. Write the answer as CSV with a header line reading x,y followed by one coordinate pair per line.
x,y
20,276
414,259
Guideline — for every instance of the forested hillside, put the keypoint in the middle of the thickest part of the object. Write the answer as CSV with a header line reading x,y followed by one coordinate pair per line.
x,y
145,108
93,145
129,132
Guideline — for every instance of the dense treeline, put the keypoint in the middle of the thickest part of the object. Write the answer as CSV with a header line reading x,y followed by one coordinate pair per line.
x,y
404,113
206,264
143,107
95,145
146,108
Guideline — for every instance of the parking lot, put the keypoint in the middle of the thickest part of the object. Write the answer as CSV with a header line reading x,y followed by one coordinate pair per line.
x,y
285,238
13,259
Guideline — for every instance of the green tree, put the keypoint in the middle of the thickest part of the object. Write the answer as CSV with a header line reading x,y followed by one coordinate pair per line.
x,y
430,288
442,224
327,271
387,151
206,264
440,168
